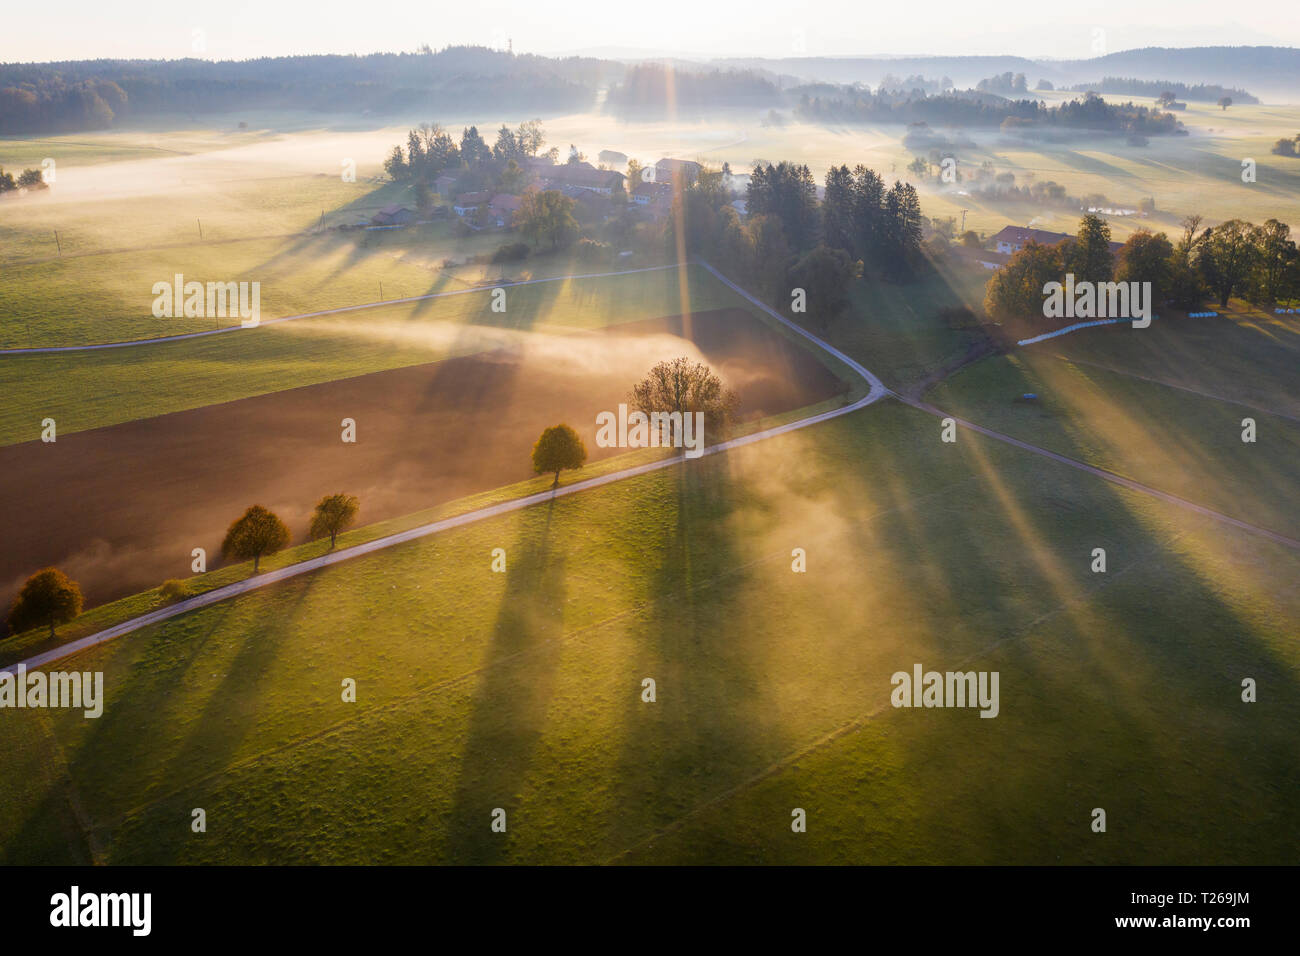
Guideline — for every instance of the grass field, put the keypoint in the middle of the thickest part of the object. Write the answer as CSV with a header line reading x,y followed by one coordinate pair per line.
x,y
83,390
528,697
1186,444
522,690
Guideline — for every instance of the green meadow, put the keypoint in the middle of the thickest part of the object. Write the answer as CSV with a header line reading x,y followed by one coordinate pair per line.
x,y
82,390
1185,443
523,690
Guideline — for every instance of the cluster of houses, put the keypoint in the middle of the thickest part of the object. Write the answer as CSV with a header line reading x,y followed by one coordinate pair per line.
x,y
580,181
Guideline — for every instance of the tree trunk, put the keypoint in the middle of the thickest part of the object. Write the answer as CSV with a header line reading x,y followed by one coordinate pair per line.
x,y
51,627
257,558
333,534
556,483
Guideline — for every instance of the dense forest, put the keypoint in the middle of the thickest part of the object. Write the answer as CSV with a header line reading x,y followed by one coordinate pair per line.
x,y
657,89
1198,92
95,94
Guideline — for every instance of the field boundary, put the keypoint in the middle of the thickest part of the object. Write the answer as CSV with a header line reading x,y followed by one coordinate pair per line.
x,y
876,391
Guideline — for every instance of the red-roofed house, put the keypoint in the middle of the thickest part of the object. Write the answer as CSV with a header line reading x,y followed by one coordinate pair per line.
x,y
1013,238
503,207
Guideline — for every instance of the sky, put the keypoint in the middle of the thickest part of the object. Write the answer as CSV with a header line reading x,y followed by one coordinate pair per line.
x,y
239,29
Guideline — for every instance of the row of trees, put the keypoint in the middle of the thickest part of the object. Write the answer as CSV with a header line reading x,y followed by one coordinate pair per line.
x,y
259,532
27,179
49,597
1168,91
1235,258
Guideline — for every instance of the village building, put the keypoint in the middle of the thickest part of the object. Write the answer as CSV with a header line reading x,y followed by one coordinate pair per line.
x,y
393,216
683,172
466,203
502,208
584,176
1014,238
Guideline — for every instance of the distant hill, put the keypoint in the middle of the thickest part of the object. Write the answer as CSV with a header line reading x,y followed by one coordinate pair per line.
x,y
965,71
1269,72
99,94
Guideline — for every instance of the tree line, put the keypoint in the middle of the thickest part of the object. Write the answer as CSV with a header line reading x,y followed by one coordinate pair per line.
x,y
1233,259
431,151
93,94
655,88
49,597
977,109
27,179
790,239
1197,92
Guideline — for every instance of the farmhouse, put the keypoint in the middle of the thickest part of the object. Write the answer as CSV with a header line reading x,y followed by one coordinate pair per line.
x,y
648,194
1013,238
468,202
393,216
502,208
981,257
682,171
584,176
444,184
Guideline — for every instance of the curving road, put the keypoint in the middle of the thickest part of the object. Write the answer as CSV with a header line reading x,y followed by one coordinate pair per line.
x,y
876,391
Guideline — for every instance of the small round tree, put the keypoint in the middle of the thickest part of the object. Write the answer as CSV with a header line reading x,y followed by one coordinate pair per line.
x,y
558,449
257,533
334,514
49,597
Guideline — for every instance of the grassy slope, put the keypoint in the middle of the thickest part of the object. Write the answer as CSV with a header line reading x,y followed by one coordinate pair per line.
x,y
527,696
108,297
1181,443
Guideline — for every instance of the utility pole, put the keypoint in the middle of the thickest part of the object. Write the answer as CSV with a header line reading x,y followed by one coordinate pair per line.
x,y
200,222
963,220
58,244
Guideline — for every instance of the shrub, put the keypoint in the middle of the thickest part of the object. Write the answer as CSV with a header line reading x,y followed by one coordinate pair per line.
x,y
591,250
511,252
172,591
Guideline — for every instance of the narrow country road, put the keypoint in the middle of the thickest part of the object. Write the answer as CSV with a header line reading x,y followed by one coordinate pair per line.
x,y
876,391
